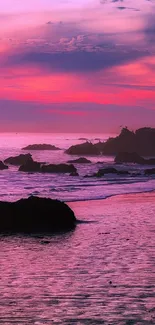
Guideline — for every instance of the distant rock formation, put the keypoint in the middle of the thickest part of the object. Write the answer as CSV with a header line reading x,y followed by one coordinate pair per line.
x,y
19,160
35,215
80,160
40,147
86,148
133,157
142,142
3,166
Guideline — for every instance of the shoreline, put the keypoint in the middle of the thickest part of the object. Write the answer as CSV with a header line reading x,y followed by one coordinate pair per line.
x,y
113,196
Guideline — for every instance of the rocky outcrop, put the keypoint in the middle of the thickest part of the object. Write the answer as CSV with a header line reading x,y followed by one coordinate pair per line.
x,y
61,168
35,215
19,160
3,166
142,142
86,148
41,147
133,157
80,160
30,166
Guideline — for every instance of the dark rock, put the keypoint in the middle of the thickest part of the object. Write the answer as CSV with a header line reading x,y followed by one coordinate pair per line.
x,y
100,147
150,171
40,147
35,215
61,168
150,161
86,148
123,172
74,174
129,157
103,171
2,166
142,142
81,160
18,160
30,166
133,157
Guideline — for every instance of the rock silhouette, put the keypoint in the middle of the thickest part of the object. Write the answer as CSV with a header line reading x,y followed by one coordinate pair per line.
x,y
30,166
142,142
34,166
35,215
3,166
86,148
41,147
150,171
129,157
61,168
80,160
103,171
133,157
19,160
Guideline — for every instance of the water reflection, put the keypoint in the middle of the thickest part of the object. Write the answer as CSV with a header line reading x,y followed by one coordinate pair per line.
x,y
102,273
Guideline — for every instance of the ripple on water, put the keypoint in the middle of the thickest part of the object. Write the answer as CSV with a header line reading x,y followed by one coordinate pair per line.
x,y
101,273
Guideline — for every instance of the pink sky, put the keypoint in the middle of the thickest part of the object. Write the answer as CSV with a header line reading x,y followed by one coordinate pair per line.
x,y
77,66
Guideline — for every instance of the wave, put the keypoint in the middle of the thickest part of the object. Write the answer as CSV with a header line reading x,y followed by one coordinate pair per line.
x,y
109,196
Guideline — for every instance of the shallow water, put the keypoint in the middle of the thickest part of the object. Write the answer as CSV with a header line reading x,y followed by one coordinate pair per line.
x,y
101,273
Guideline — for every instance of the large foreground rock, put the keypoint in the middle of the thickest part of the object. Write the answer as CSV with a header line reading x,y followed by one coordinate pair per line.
x,y
40,147
19,160
3,166
35,215
86,148
80,160
133,157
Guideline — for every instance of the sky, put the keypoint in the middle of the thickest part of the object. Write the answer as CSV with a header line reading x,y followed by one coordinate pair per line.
x,y
77,65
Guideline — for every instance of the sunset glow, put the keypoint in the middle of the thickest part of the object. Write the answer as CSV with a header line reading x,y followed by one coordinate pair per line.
x,y
78,60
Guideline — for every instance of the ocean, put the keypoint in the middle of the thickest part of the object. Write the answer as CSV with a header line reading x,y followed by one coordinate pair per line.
x,y
15,185
103,272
